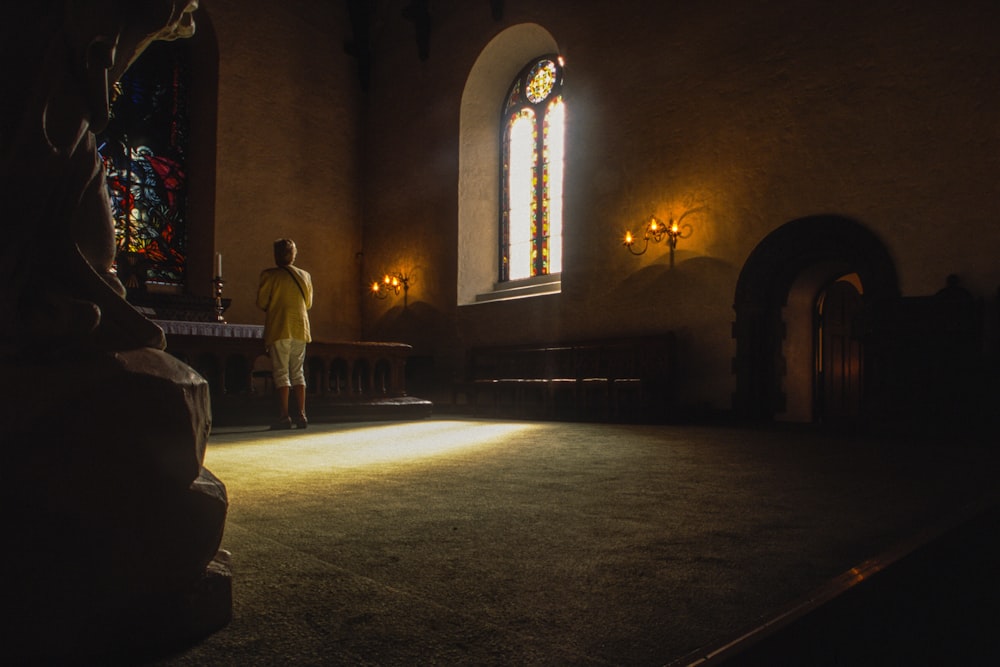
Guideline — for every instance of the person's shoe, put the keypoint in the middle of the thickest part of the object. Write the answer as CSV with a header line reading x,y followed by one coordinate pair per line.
x,y
301,423
282,424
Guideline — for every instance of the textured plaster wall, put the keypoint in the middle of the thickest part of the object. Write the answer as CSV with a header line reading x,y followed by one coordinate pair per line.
x,y
754,113
287,163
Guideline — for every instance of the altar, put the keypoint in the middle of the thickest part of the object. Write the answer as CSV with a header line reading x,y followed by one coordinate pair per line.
x,y
349,375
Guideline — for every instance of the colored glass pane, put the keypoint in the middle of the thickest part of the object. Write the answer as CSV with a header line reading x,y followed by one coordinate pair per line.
x,y
522,202
531,180
143,150
541,81
553,199
514,98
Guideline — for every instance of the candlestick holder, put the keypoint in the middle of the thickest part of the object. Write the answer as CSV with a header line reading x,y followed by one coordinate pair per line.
x,y
219,282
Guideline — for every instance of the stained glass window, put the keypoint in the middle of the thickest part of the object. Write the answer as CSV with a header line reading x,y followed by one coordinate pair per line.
x,y
143,150
532,172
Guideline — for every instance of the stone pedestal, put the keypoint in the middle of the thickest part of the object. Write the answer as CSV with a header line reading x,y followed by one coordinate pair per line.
x,y
113,526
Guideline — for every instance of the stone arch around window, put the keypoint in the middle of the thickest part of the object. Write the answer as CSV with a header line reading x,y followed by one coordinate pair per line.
x,y
479,156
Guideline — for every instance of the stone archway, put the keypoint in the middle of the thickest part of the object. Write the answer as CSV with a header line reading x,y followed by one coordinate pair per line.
x,y
799,258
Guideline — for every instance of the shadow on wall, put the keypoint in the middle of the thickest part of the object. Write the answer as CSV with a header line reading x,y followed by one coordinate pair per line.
x,y
689,286
429,368
931,372
694,301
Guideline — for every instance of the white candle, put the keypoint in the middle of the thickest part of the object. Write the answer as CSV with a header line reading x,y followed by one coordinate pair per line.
x,y
218,265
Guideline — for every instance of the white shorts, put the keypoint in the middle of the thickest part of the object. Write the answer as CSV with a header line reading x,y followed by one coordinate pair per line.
x,y
288,356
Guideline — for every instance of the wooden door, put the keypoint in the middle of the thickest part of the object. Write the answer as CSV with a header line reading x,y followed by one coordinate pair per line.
x,y
839,362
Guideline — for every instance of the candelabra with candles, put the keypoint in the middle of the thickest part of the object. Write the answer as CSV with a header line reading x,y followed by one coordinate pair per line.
x,y
391,283
218,282
657,230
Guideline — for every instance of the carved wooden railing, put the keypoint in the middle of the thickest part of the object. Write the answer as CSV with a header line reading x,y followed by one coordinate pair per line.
x,y
233,359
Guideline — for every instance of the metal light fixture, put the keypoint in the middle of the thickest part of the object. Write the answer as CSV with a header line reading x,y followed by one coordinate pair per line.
x,y
391,284
657,230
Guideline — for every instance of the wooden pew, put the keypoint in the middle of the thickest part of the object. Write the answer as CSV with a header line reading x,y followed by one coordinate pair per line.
x,y
626,379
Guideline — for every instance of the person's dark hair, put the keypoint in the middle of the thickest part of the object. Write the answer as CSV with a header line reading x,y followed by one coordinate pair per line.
x,y
284,252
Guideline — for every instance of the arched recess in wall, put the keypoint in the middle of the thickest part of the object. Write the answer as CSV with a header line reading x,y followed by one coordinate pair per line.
x,y
479,152
775,305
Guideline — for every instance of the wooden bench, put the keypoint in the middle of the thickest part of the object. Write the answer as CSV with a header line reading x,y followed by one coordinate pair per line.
x,y
609,379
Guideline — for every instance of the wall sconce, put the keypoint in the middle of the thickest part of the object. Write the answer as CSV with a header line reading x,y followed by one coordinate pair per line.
x,y
657,230
391,283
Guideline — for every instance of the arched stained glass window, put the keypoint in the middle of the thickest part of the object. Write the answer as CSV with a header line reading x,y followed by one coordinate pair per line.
x,y
144,151
532,178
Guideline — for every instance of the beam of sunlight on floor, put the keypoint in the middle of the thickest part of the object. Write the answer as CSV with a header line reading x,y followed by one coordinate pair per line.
x,y
321,450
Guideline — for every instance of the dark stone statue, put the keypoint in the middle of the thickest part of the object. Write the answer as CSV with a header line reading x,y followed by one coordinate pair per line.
x,y
112,523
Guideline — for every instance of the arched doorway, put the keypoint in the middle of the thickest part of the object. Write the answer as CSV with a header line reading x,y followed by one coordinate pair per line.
x,y
799,304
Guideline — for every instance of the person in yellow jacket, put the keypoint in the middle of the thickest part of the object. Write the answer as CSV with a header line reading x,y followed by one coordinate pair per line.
x,y
286,295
